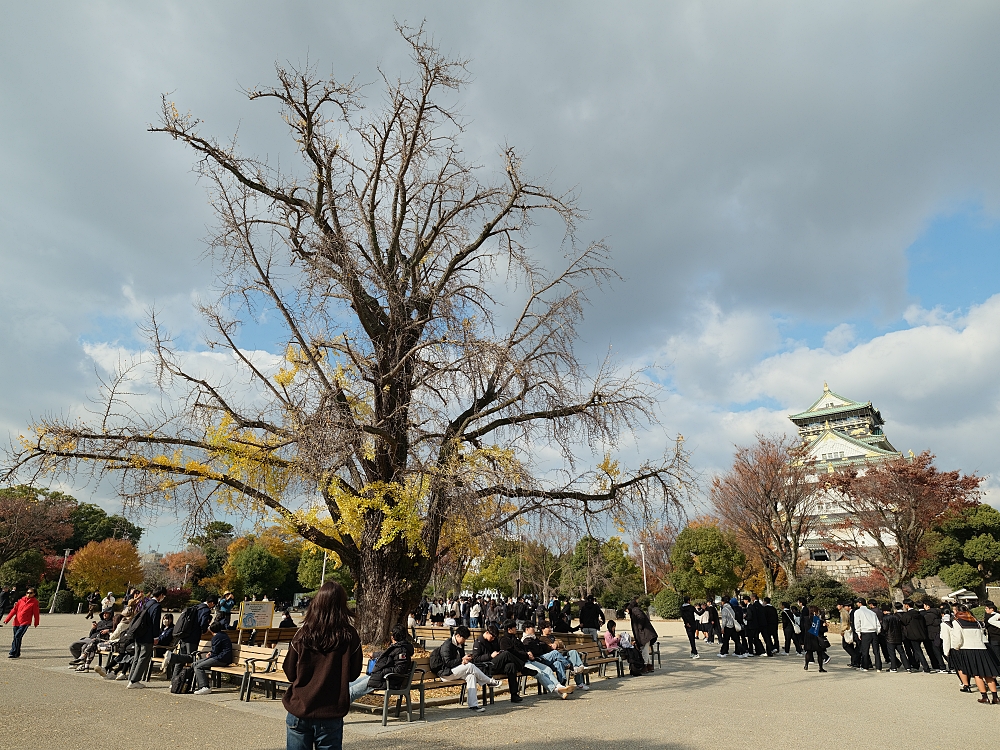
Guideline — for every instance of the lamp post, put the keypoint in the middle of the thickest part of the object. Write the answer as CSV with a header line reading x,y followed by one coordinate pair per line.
x,y
187,567
642,551
322,576
52,607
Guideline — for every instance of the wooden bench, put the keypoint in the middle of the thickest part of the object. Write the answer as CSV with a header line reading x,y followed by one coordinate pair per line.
x,y
266,636
248,661
424,634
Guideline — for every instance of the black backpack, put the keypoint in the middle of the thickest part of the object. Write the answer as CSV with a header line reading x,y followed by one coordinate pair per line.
x,y
436,661
187,628
180,681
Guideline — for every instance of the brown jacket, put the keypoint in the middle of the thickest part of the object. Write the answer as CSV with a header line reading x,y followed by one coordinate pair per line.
x,y
320,682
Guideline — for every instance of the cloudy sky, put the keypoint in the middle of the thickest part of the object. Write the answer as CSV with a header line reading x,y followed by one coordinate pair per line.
x,y
794,192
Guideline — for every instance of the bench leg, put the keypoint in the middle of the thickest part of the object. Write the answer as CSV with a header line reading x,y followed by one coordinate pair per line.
x,y
409,707
421,704
385,709
399,703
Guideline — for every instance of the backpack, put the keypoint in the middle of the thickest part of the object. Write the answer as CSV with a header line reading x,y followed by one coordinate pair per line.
x,y
436,661
180,681
186,625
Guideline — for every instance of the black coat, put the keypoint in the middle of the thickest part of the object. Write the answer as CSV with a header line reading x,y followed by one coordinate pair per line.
x,y
788,621
483,649
688,615
516,650
757,619
643,631
770,618
914,625
932,617
892,627
451,656
396,659
591,615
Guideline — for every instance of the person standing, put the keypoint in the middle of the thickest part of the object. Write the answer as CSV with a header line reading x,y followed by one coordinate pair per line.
x,y
974,658
932,617
892,629
789,627
591,617
93,603
689,619
770,627
714,628
24,613
144,630
991,624
729,632
108,603
6,600
643,632
867,626
813,641
323,659
915,632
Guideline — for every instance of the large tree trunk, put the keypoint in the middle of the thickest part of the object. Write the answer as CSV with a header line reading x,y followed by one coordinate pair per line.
x,y
390,584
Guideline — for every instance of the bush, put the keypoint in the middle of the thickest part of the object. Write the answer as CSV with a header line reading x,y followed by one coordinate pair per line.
x,y
65,603
667,604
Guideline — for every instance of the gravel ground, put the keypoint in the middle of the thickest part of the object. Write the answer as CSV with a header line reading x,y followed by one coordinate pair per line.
x,y
689,704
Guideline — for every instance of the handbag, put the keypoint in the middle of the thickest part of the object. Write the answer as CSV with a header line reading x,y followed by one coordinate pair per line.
x,y
738,627
796,628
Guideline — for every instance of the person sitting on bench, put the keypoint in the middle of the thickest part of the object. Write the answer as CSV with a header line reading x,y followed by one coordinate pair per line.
x,y
84,650
567,657
487,655
527,660
220,656
396,659
452,663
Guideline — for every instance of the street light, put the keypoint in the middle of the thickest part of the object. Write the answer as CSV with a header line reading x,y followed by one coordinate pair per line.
x,y
322,576
187,567
52,607
642,551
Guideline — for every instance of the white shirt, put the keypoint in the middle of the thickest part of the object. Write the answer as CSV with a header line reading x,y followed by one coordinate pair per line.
x,y
866,621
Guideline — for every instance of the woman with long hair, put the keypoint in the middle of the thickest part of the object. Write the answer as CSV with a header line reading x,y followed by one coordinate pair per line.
x,y
813,637
971,656
323,659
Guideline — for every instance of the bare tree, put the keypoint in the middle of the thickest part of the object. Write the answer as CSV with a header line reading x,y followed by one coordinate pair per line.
x,y
890,507
768,499
403,406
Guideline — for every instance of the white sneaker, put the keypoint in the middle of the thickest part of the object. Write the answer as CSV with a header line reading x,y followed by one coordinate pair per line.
x,y
695,656
723,656
583,686
122,676
203,691
495,683
134,686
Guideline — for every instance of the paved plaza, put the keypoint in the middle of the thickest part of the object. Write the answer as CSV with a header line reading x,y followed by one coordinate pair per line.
x,y
687,705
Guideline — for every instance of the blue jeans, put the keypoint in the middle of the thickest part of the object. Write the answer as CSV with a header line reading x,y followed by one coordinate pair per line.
x,y
545,675
15,646
360,687
306,734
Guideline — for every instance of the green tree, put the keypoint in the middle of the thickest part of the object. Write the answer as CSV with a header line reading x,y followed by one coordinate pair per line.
x,y
309,572
667,604
705,560
961,576
260,571
92,524
33,519
819,590
24,570
214,541
622,577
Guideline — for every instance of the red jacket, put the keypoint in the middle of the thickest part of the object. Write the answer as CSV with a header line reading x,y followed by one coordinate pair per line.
x,y
24,611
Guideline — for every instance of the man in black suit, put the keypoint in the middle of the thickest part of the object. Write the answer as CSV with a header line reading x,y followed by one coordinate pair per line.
x,y
754,624
770,627
915,632
689,619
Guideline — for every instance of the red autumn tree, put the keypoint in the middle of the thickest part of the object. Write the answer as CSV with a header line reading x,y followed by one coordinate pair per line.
x,y
768,501
891,506
186,564
33,519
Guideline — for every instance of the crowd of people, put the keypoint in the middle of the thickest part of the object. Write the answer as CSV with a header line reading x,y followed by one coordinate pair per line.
x,y
480,611
877,636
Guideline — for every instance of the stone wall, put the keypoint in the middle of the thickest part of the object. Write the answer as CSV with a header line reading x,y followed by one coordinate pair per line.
x,y
841,570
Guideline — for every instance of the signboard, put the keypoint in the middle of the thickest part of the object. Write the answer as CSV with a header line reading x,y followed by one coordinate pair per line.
x,y
255,615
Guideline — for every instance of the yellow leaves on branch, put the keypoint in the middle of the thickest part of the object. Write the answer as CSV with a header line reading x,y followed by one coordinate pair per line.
x,y
247,458
609,472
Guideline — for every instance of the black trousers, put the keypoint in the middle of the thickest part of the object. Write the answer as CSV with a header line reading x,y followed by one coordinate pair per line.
x,y
791,638
505,665
934,653
731,634
917,656
898,654
869,644
770,641
753,641
692,635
